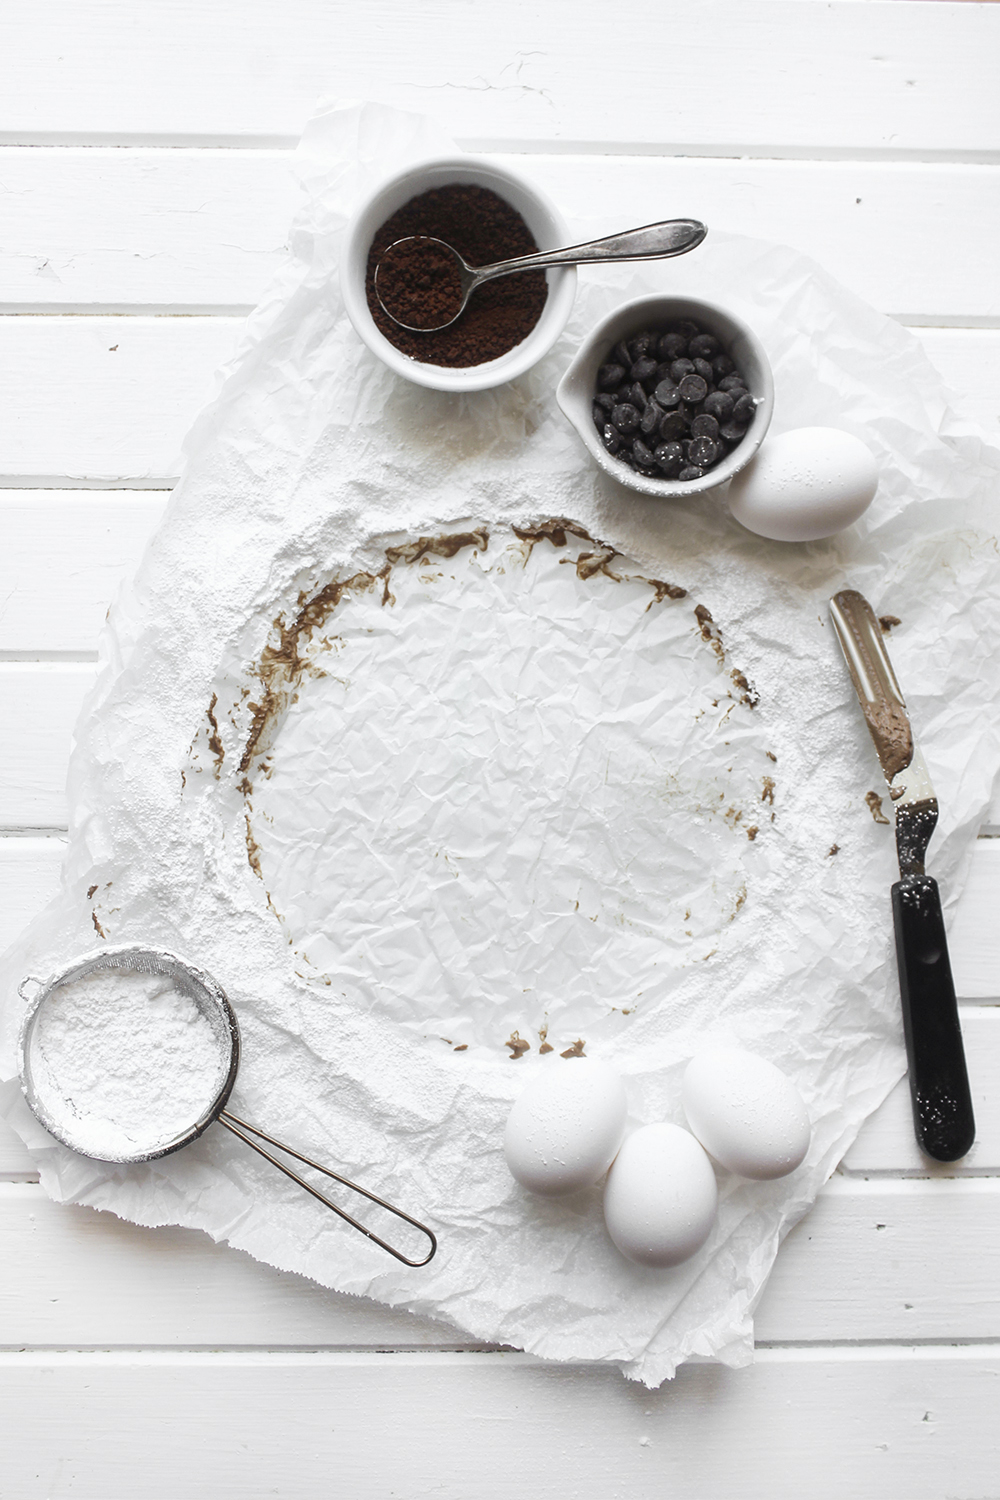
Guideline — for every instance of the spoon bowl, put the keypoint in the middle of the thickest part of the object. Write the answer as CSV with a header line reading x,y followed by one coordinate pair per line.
x,y
422,275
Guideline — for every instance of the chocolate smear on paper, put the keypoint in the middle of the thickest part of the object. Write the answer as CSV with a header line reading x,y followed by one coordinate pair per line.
x,y
215,739
437,546
589,564
553,530
712,635
281,664
709,630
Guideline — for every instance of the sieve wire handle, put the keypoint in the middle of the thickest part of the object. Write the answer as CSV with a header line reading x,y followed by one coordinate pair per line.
x,y
246,1131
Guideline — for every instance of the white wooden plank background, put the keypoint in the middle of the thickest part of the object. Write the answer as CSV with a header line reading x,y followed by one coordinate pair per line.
x,y
796,77
145,197
109,229
901,1421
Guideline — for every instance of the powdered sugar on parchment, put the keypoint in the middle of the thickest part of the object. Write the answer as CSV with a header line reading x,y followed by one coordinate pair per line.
x,y
307,766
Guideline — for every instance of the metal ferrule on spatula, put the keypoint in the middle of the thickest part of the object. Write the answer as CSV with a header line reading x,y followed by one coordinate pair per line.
x,y
884,708
939,1084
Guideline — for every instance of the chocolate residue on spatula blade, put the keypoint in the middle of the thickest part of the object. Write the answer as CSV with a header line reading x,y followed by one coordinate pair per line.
x,y
889,726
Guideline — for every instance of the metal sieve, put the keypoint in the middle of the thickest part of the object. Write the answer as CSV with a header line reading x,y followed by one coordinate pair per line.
x,y
212,1003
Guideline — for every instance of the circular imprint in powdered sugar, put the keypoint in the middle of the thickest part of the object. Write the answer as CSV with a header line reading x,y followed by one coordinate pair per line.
x,y
515,790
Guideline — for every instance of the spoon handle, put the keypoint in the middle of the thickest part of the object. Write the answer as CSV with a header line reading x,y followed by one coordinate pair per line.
x,y
652,242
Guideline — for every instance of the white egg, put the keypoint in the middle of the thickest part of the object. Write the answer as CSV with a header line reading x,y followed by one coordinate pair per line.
x,y
565,1129
804,484
745,1112
660,1197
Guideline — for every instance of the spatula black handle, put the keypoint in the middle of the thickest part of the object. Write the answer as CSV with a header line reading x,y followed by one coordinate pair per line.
x,y
939,1083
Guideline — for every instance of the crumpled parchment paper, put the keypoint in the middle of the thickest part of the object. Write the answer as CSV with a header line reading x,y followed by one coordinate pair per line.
x,y
419,780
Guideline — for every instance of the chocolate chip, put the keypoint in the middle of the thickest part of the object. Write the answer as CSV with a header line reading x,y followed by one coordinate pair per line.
x,y
643,369
651,419
667,394
674,425
743,410
703,346
705,426
680,368
691,472
610,376
671,346
719,404
703,452
669,457
693,388
625,417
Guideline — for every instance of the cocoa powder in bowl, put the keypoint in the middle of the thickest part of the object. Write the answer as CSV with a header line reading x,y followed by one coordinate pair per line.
x,y
483,228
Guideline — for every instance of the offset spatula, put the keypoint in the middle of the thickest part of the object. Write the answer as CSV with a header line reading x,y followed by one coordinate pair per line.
x,y
939,1083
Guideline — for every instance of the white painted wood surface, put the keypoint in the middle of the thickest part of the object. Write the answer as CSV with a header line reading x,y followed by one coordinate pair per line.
x,y
819,1422
793,77
145,196
103,229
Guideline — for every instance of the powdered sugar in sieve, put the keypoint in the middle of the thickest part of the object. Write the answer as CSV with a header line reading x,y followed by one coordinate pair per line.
x,y
131,1053
124,1062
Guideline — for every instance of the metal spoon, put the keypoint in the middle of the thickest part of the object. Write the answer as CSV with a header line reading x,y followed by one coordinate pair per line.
x,y
652,242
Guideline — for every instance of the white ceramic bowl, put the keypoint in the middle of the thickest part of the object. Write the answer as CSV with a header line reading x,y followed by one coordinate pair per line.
x,y
576,390
541,217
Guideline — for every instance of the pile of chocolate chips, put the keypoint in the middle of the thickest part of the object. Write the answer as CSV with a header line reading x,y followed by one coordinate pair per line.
x,y
670,402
